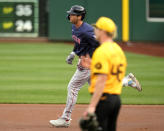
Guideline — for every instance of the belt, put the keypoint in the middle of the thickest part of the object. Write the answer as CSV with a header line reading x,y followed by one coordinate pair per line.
x,y
81,68
106,95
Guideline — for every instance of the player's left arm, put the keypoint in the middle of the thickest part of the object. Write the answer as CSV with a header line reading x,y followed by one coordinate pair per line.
x,y
92,40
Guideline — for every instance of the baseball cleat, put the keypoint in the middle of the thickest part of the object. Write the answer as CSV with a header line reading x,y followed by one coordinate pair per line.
x,y
60,122
133,82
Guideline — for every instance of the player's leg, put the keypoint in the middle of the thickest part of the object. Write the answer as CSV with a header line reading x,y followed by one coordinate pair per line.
x,y
107,112
131,80
101,113
78,80
113,114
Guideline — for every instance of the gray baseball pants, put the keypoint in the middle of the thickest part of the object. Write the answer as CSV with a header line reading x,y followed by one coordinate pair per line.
x,y
79,78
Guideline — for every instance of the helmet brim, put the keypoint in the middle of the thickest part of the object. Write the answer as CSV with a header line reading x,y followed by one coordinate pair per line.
x,y
71,13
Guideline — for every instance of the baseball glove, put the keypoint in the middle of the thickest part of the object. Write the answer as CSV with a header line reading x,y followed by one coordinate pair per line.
x,y
89,123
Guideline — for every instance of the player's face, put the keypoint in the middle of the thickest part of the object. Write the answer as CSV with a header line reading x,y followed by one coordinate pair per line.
x,y
73,19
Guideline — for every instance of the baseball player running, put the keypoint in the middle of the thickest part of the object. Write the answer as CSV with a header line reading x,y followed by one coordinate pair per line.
x,y
85,43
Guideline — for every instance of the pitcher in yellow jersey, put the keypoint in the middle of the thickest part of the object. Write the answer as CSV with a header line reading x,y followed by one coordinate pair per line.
x,y
108,67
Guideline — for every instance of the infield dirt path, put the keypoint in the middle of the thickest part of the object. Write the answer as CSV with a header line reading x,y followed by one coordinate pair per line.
x,y
35,117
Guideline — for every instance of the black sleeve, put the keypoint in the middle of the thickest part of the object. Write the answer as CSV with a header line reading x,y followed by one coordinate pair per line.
x,y
93,44
88,45
92,41
75,48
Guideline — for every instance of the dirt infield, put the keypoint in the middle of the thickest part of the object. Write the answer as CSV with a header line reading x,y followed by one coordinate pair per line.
x,y
35,117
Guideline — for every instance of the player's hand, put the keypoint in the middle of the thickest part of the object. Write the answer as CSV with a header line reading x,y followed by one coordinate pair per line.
x,y
89,122
70,58
89,110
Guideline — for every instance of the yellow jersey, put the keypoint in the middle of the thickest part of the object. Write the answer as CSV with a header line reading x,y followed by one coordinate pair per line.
x,y
108,59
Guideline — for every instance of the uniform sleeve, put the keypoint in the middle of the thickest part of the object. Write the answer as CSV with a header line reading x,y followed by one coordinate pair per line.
x,y
92,41
75,48
100,63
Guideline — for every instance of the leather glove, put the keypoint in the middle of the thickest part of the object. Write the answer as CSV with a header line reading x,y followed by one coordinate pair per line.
x,y
70,58
89,123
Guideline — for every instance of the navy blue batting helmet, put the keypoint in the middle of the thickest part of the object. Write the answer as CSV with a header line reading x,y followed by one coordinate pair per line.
x,y
77,10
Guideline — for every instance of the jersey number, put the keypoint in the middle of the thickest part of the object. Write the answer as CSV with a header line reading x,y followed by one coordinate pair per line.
x,y
116,71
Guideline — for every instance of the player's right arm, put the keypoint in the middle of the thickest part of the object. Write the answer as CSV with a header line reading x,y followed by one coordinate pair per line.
x,y
71,56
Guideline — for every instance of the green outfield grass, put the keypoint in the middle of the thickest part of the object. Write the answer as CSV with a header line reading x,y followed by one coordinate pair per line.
x,y
38,73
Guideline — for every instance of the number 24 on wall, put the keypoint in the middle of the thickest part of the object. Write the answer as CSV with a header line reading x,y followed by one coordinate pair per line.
x,y
22,26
